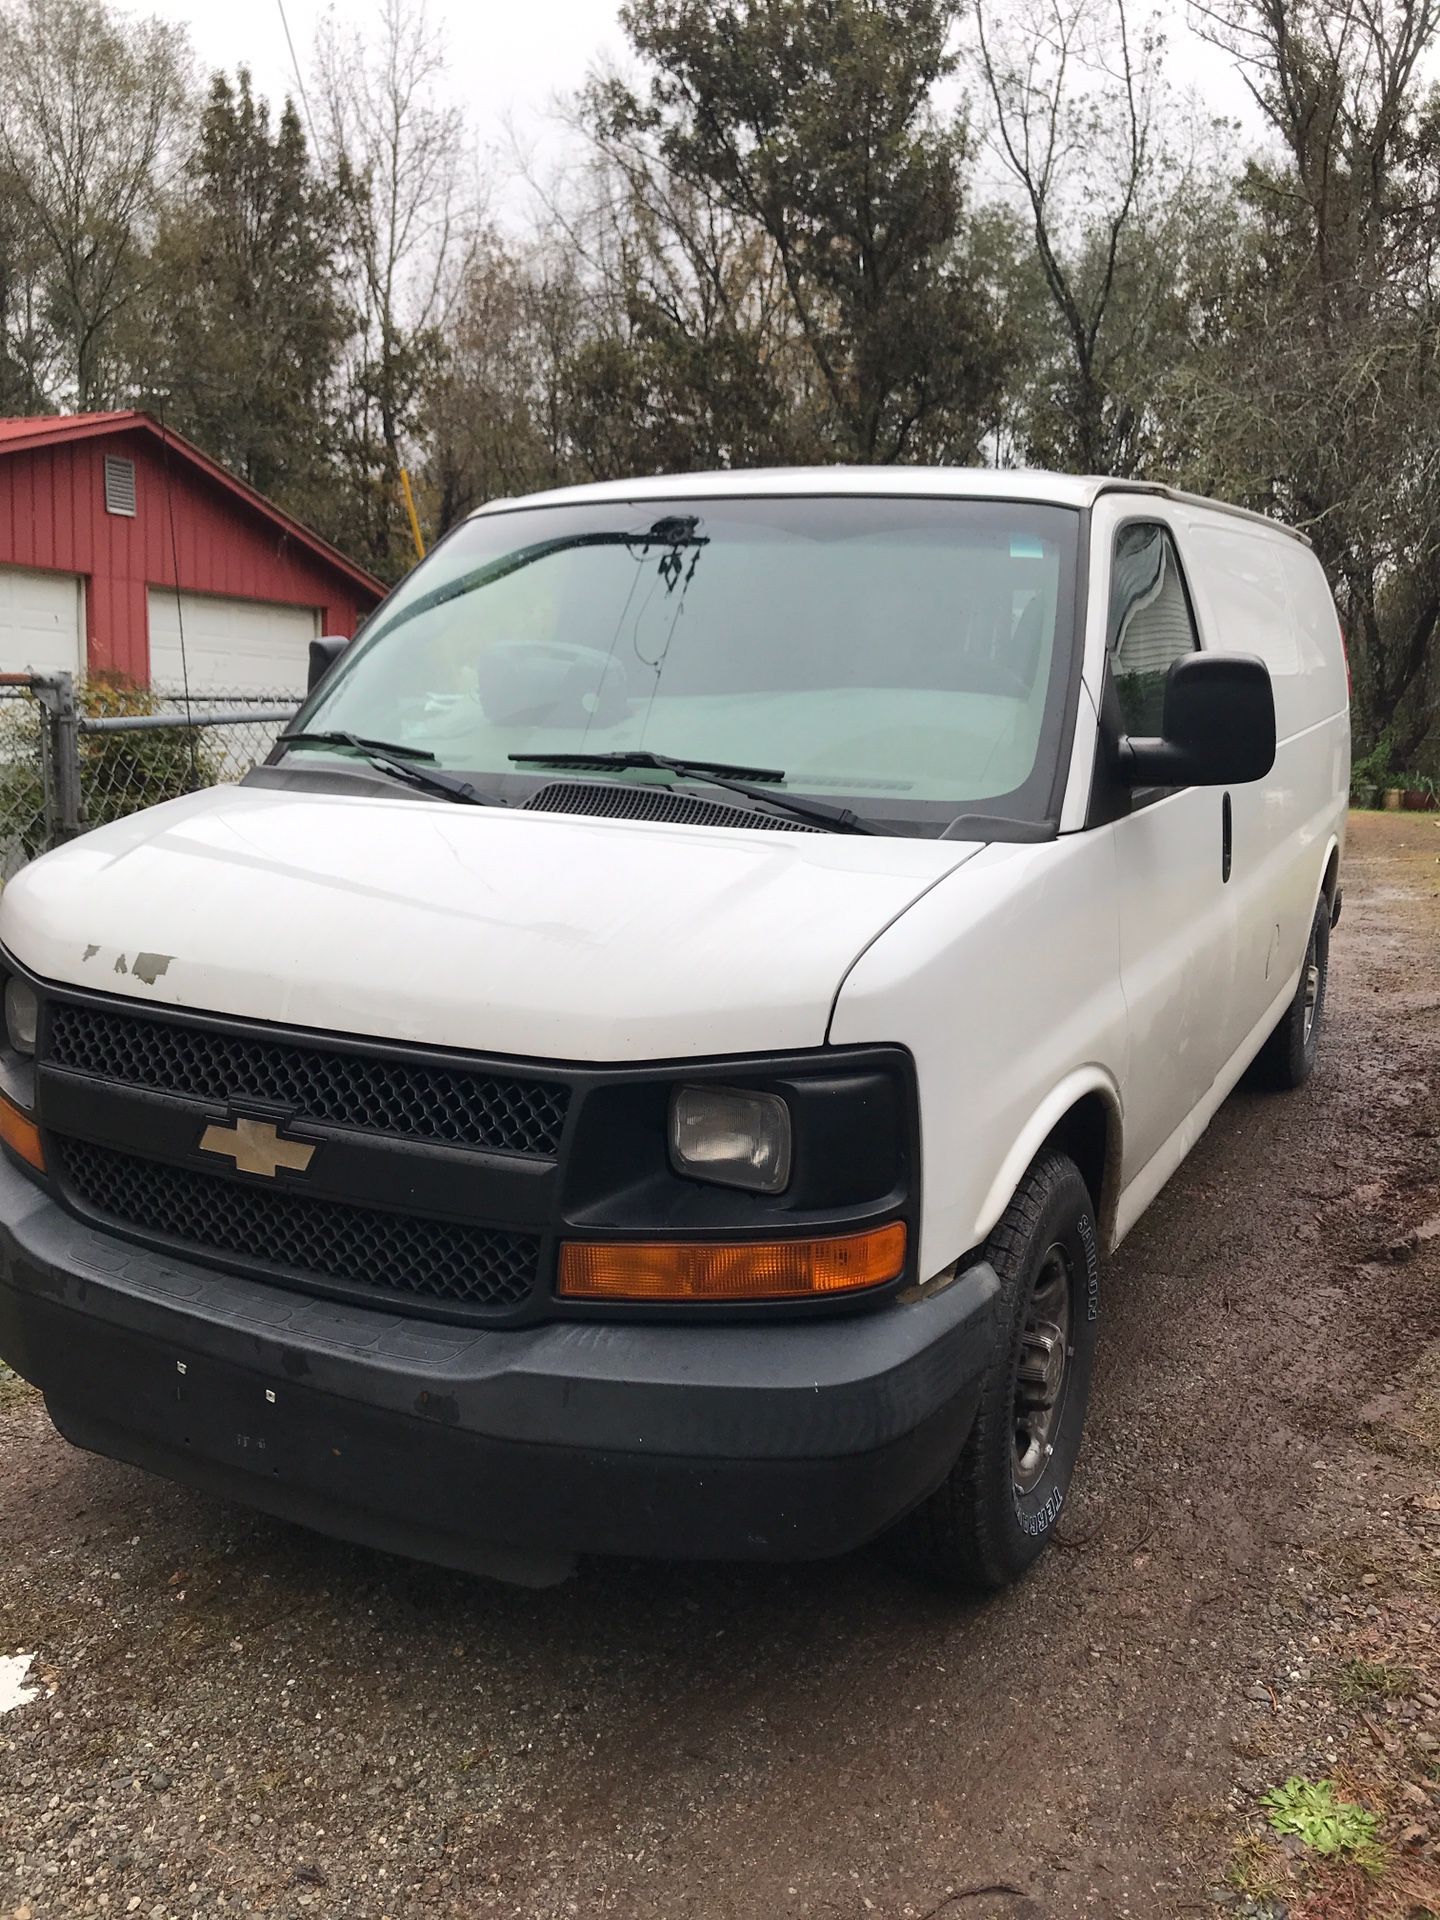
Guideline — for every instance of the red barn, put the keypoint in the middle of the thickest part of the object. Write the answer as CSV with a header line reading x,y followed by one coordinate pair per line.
x,y
118,538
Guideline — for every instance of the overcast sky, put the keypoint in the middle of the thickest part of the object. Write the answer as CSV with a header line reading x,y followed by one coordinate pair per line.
x,y
508,59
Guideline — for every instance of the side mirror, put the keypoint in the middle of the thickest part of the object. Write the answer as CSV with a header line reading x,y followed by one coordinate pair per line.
x,y
1217,726
323,655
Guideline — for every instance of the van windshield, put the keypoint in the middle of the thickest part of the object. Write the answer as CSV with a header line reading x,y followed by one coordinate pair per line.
x,y
907,657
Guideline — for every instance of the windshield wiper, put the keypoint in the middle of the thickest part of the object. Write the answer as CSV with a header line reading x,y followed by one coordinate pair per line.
x,y
388,759
714,773
356,740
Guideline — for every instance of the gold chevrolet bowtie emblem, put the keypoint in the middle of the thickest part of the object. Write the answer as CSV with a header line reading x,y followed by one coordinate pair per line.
x,y
256,1147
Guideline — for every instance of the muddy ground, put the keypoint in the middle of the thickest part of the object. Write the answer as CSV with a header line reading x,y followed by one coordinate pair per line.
x,y
235,1716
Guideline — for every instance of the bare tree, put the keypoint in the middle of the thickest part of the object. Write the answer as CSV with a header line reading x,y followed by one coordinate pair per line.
x,y
704,268
690,353
28,356
91,132
1320,398
499,420
1077,97
1338,81
404,162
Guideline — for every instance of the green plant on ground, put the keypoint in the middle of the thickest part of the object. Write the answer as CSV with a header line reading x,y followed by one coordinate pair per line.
x,y
1416,783
1370,774
1359,1681
1333,1828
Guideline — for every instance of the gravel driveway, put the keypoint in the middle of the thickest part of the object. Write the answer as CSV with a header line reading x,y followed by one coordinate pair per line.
x,y
232,1716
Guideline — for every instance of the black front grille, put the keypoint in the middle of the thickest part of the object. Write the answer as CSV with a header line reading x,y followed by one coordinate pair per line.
x,y
609,800
312,1083
478,1268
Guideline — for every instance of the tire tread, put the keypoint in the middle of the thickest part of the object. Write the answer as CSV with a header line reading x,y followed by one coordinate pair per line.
x,y
1283,1062
950,1537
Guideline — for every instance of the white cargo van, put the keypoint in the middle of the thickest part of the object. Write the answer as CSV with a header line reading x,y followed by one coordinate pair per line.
x,y
655,1060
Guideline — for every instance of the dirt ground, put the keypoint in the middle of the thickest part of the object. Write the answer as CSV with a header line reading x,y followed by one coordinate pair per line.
x,y
238,1717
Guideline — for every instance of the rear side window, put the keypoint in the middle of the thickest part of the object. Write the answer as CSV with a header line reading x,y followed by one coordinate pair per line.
x,y
1151,625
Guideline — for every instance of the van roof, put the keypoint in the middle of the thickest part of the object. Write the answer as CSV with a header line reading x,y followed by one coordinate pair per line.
x,y
1029,484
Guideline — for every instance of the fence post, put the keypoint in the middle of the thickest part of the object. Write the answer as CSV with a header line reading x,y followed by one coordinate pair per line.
x,y
61,756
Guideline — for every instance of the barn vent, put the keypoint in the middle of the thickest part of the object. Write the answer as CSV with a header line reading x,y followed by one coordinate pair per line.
x,y
120,486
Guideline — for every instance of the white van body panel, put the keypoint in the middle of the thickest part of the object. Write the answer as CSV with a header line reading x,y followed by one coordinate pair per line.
x,y
1004,983
530,934
1176,931
1260,593
1118,959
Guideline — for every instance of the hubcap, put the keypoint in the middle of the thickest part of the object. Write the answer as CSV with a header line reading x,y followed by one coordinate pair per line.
x,y
1046,1350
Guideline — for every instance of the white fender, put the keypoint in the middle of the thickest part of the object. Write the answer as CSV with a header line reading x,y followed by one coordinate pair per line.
x,y
1091,1078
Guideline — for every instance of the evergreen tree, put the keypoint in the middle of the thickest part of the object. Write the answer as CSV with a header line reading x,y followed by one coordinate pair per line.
x,y
815,121
247,321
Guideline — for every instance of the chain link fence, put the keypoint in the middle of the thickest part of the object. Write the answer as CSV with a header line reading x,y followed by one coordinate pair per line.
x,y
76,756
24,827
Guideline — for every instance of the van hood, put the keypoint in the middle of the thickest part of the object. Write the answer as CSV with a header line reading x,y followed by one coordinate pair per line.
x,y
529,934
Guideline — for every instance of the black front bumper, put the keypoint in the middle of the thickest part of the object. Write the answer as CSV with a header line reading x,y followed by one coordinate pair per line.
x,y
499,1450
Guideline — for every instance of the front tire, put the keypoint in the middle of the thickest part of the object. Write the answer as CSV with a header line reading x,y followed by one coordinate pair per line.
x,y
993,1516
1287,1058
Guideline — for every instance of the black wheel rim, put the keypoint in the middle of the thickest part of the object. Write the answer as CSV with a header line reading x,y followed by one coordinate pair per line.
x,y
1313,984
1042,1381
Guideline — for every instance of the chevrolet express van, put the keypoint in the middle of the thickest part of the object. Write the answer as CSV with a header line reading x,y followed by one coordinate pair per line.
x,y
654,1062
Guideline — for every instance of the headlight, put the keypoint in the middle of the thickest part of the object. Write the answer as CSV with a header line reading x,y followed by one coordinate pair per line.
x,y
22,1015
733,1138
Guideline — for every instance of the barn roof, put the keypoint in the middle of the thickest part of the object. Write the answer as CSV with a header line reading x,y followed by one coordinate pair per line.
x,y
33,431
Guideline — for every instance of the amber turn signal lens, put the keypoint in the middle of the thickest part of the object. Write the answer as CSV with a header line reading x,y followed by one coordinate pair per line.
x,y
20,1134
686,1270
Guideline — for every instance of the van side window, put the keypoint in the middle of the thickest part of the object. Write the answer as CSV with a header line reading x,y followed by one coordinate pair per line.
x,y
1151,624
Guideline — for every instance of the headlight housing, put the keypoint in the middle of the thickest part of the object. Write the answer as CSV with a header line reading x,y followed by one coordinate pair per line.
x,y
731,1137
22,1015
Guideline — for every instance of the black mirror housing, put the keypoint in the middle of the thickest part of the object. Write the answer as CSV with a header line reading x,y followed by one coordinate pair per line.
x,y
323,655
1218,726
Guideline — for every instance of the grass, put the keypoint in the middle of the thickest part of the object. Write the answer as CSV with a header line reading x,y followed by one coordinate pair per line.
x,y
1423,1422
1361,1682
13,1390
1257,1871
1328,1826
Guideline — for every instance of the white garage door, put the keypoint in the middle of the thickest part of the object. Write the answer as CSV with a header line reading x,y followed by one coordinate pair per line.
x,y
231,646
42,622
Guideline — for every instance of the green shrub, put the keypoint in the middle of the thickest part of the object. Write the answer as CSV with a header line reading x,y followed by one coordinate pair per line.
x,y
119,772
122,772
1370,774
